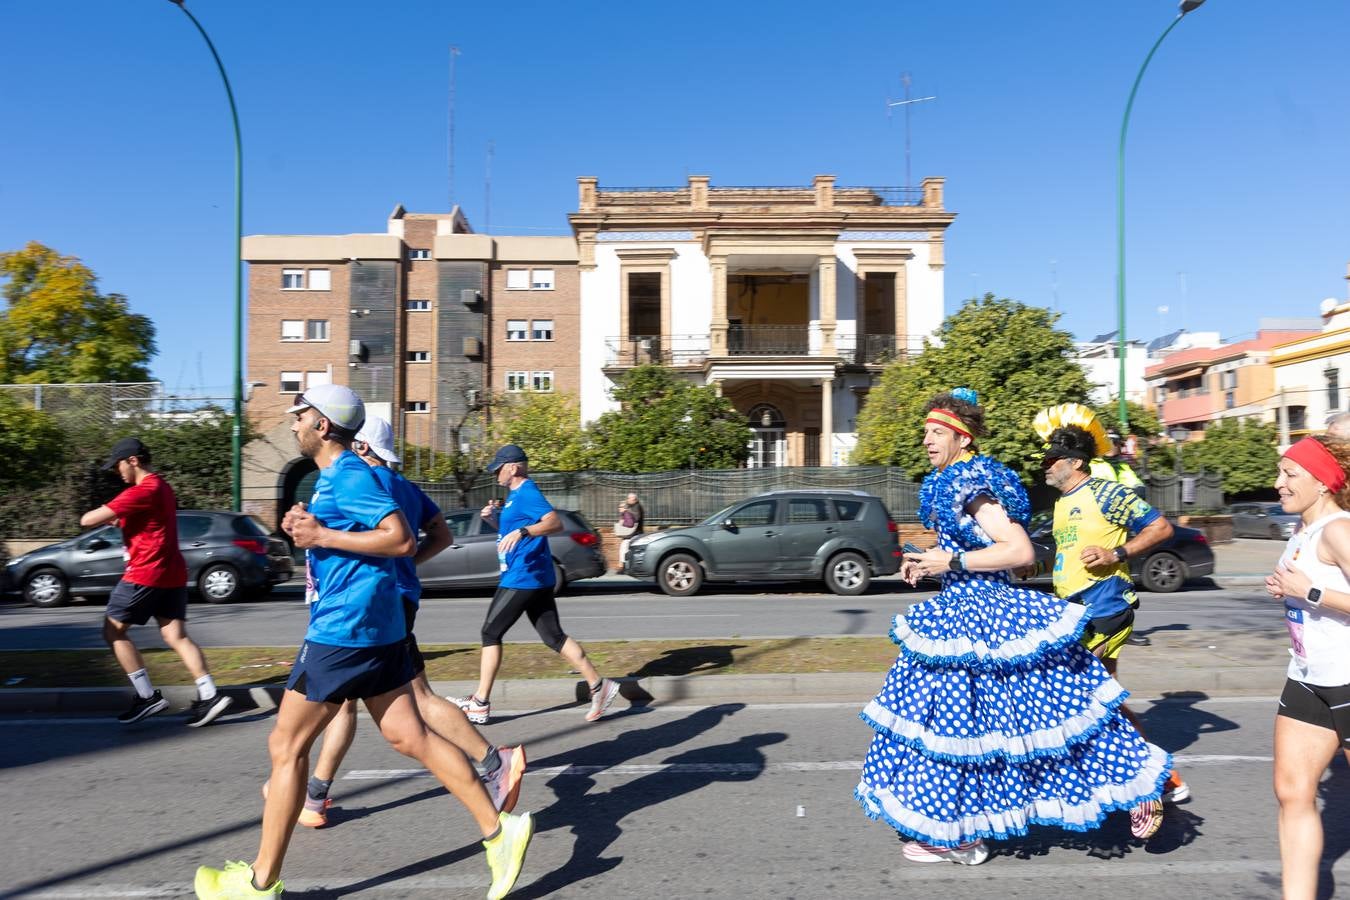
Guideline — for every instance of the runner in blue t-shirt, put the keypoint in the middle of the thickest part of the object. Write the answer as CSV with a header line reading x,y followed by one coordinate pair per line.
x,y
502,767
526,587
355,649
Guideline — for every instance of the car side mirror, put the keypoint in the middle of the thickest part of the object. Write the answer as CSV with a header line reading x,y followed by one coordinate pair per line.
x,y
97,544
728,525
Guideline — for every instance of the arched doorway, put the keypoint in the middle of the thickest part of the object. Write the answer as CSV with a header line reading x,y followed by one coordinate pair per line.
x,y
768,445
297,482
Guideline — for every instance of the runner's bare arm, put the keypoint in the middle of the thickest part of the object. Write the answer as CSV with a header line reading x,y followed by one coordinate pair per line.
x,y
439,536
392,537
100,516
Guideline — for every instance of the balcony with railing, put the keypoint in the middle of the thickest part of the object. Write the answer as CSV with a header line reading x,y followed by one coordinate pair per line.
x,y
761,341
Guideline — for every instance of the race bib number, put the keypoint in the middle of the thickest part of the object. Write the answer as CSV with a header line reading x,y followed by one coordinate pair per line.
x,y
311,585
1293,619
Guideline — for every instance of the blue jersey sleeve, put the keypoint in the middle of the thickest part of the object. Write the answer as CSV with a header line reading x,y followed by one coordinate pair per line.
x,y
429,509
1122,507
361,497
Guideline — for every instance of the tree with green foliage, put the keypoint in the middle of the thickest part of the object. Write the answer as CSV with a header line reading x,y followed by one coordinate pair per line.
x,y
665,422
1143,422
546,425
32,447
1010,353
58,327
1243,450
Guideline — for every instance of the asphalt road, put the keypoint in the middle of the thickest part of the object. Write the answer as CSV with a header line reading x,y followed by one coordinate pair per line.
x,y
666,802
619,609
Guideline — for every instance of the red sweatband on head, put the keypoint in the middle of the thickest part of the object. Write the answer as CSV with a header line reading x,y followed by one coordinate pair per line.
x,y
949,420
1312,455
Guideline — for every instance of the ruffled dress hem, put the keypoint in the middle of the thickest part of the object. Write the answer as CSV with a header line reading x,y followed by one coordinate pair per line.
x,y
1018,653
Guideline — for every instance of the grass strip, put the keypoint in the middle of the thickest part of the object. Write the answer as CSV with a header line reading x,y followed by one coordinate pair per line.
x,y
459,662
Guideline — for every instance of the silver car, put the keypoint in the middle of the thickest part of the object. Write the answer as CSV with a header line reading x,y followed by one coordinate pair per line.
x,y
1263,520
471,561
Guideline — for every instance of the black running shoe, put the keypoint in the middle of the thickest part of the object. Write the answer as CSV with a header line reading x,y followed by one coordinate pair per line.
x,y
204,712
142,707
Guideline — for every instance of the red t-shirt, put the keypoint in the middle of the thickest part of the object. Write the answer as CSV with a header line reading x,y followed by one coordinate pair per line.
x,y
148,515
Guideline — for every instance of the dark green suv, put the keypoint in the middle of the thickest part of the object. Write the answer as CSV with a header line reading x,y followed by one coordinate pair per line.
x,y
841,537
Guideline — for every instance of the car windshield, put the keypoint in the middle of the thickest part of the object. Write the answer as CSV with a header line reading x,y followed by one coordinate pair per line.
x,y
719,516
1276,510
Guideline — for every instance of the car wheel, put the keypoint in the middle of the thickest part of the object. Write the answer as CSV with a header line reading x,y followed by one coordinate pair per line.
x,y
46,588
1163,573
680,575
559,579
219,583
847,574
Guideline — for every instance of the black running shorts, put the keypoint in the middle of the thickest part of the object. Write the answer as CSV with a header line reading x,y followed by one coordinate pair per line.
x,y
136,604
1325,707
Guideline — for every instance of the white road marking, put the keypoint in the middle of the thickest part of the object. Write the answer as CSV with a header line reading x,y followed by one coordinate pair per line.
x,y
572,617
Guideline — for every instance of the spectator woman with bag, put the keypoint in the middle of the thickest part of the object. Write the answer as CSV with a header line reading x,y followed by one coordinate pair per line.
x,y
1313,580
625,528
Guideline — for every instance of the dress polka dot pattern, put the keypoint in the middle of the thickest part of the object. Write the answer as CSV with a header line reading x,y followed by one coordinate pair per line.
x,y
994,717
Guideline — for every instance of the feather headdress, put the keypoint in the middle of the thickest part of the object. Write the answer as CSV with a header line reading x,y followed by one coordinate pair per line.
x,y
1052,417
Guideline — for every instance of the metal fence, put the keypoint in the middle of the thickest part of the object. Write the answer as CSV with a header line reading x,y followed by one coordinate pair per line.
x,y
113,402
1186,493
691,495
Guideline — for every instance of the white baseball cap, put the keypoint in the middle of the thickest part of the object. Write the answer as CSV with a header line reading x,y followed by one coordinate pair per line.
x,y
336,403
378,434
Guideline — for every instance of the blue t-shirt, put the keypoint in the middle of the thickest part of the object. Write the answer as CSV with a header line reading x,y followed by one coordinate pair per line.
x,y
356,597
418,509
530,563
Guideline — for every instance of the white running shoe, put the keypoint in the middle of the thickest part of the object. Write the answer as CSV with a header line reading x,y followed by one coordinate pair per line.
x,y
601,699
969,854
475,712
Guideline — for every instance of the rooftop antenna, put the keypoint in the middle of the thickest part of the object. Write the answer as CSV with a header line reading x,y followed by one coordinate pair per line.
x,y
454,52
487,190
907,102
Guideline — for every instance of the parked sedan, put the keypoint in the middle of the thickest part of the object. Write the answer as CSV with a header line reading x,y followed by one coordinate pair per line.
x,y
229,555
1264,520
471,561
1164,569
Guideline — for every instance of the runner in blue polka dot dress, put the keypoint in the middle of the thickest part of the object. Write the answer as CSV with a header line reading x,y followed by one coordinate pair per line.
x,y
994,717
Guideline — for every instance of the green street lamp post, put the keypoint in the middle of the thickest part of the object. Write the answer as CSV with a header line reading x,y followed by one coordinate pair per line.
x,y
236,442
1186,6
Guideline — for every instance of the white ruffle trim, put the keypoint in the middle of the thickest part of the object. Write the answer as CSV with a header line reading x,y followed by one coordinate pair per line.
x,y
1069,625
1044,742
1146,785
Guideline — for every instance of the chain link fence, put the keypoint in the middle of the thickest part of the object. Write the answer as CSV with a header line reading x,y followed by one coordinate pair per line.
x,y
115,402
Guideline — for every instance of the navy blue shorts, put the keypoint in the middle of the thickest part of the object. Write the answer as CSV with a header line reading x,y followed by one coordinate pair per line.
x,y
409,616
327,674
135,604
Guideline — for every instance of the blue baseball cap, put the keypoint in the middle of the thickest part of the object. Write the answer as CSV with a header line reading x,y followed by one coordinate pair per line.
x,y
508,454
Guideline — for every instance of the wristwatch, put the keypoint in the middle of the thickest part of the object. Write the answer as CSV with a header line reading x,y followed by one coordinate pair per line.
x,y
1120,553
957,563
523,531
1314,597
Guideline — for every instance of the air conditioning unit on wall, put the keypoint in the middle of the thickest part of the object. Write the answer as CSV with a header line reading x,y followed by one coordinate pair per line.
x,y
469,296
473,346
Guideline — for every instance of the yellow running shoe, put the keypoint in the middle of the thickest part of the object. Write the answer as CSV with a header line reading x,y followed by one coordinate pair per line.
x,y
234,882
506,852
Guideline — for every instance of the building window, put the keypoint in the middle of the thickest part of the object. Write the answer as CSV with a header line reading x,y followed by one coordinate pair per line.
x,y
292,279
542,382
541,280
417,305
515,329
419,254
320,280
419,356
542,330
515,381
417,405
1333,388
316,330
517,279
290,382
292,330
317,378
1230,380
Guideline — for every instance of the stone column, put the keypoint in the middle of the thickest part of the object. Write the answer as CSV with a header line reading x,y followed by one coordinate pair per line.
x,y
825,279
827,421
698,191
719,306
586,189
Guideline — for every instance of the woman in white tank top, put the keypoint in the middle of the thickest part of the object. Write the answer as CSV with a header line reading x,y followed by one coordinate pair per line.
x,y
1314,716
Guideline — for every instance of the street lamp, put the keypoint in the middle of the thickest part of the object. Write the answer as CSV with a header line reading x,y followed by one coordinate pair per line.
x,y
236,446
1185,7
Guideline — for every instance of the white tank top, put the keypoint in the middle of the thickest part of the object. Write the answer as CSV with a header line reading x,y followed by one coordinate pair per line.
x,y
1320,637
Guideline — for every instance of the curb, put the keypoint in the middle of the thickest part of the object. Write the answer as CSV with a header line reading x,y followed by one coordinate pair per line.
x,y
821,687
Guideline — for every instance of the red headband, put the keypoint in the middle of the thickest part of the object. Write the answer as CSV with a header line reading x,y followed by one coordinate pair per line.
x,y
949,420
1317,459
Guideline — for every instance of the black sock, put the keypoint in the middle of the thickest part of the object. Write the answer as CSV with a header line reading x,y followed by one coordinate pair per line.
x,y
318,790
595,688
491,761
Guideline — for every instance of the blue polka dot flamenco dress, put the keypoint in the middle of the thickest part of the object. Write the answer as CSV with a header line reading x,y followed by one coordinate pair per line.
x,y
994,717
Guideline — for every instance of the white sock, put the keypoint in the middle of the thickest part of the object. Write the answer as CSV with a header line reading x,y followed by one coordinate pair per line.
x,y
140,680
206,688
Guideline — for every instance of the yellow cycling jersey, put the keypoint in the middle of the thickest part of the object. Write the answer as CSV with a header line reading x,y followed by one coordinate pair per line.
x,y
1113,470
1097,513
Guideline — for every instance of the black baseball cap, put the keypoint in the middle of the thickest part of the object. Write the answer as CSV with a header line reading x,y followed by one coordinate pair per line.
x,y
508,454
122,449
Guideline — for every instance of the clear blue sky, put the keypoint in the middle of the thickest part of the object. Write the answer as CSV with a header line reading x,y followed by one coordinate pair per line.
x,y
116,143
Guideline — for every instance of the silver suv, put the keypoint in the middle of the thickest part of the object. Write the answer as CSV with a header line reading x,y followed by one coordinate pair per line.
x,y
842,537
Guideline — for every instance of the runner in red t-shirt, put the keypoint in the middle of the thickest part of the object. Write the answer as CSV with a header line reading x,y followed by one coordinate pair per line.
x,y
154,584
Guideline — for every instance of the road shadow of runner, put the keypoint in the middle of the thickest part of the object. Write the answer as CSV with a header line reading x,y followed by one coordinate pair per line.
x,y
1111,841
1177,720
594,817
1333,792
689,660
